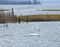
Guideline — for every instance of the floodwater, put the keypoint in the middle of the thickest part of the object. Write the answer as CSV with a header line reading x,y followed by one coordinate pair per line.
x,y
32,9
33,34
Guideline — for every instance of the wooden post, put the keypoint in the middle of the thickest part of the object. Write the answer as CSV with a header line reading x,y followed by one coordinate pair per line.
x,y
13,15
15,18
27,19
5,21
18,19
12,11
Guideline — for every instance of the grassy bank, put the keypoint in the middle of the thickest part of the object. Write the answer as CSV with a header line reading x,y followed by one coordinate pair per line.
x,y
30,18
42,17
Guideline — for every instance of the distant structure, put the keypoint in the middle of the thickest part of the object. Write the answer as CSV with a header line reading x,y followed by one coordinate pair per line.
x,y
29,1
35,1
20,2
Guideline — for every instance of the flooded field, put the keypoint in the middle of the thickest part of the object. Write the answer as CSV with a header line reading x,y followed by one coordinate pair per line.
x,y
32,9
33,34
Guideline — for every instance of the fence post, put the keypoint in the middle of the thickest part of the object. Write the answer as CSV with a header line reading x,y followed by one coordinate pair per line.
x,y
13,15
27,19
12,11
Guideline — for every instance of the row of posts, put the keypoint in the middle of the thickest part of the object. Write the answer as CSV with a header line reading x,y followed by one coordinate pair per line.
x,y
15,17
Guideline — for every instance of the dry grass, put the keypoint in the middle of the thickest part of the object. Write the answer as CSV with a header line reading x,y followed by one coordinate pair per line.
x,y
42,17
30,18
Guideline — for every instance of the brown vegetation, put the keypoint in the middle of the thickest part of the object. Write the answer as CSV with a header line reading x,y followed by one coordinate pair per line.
x,y
7,16
30,18
41,17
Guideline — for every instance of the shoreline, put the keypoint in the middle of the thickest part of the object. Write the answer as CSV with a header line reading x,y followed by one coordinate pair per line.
x,y
30,18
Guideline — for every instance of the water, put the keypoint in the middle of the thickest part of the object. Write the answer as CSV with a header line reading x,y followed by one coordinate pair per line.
x,y
33,34
32,9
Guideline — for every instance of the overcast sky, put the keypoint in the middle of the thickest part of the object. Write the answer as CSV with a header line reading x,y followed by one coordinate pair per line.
x,y
42,1
50,1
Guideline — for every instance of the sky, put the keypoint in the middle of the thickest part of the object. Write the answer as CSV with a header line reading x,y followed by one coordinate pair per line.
x,y
51,1
42,1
